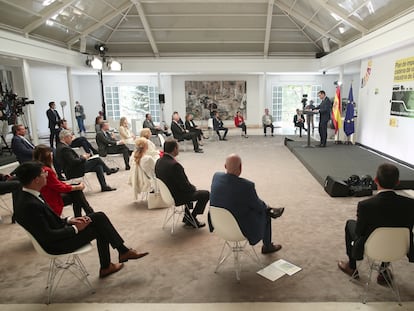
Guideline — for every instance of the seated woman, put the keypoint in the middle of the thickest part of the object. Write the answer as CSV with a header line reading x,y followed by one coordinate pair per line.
x,y
239,122
98,121
56,193
192,127
126,136
152,150
142,168
299,121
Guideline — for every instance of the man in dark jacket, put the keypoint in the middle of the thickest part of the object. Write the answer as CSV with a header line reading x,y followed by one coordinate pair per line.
x,y
172,174
76,166
239,197
386,209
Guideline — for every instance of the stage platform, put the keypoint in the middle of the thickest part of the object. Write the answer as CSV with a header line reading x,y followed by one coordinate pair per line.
x,y
342,161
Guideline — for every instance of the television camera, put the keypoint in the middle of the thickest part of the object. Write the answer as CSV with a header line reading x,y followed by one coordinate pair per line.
x,y
11,107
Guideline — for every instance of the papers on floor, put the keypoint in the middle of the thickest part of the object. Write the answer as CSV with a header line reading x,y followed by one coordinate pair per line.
x,y
278,269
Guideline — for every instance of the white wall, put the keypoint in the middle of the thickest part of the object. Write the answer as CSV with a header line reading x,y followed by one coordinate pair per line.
x,y
374,109
49,83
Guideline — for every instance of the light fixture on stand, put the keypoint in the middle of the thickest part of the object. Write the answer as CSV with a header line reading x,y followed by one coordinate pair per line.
x,y
101,62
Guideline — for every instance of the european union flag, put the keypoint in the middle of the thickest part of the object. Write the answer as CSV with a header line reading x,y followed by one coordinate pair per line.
x,y
349,127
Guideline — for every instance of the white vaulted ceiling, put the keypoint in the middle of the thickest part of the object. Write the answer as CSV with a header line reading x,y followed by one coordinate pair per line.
x,y
187,28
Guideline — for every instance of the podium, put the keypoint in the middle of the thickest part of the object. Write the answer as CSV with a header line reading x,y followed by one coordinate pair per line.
x,y
309,114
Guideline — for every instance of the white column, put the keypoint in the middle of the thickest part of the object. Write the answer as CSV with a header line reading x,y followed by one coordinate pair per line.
x,y
31,117
71,100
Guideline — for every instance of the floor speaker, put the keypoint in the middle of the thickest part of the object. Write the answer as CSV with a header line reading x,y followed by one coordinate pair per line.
x,y
336,188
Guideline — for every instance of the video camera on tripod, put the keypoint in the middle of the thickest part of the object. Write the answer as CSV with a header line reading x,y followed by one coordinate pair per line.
x,y
11,107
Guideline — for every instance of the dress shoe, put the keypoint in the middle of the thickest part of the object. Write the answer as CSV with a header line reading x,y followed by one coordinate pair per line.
x,y
199,151
224,139
385,277
127,168
345,268
113,267
276,212
197,224
107,188
131,254
112,171
272,248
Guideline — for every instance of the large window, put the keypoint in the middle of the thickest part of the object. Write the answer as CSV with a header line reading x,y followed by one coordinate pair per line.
x,y
287,98
132,102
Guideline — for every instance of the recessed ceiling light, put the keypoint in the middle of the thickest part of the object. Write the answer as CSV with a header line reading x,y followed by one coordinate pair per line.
x,y
370,8
341,29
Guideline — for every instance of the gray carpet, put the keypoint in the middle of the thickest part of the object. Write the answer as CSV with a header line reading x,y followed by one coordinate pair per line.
x,y
342,161
180,267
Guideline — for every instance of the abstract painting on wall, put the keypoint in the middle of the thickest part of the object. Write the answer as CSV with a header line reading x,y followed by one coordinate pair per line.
x,y
204,97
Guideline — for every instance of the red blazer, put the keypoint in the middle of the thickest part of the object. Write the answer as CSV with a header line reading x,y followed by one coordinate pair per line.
x,y
52,190
238,120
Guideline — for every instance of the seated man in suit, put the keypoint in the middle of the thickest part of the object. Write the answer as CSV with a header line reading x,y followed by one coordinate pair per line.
x,y
23,148
238,196
299,121
78,142
76,166
218,126
180,133
108,145
386,209
172,174
155,129
60,236
267,121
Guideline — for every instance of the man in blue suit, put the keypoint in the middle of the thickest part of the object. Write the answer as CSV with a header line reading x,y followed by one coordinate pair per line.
x,y
238,196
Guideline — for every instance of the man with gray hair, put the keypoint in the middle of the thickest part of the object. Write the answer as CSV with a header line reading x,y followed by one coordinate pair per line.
x,y
238,196
76,166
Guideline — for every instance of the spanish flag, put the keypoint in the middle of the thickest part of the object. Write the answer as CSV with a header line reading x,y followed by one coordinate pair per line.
x,y
336,110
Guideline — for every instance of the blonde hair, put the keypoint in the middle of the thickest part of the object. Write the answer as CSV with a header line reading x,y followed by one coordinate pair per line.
x,y
122,120
145,132
141,146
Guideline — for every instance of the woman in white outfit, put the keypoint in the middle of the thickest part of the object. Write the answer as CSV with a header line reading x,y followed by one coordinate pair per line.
x,y
142,175
152,150
125,134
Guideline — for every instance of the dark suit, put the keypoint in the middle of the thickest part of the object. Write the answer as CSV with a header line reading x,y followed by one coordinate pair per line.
x,y
23,151
57,237
54,118
107,145
238,195
386,209
218,126
325,109
190,125
172,174
76,166
180,134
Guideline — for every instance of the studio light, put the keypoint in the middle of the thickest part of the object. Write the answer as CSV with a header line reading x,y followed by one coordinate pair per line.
x,y
114,65
96,63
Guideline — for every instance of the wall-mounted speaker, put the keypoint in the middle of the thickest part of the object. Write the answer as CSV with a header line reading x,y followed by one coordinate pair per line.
x,y
161,98
336,188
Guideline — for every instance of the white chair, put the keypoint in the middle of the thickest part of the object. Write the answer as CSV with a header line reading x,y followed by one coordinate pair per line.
x,y
59,265
226,227
4,205
386,245
162,140
173,212
211,132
